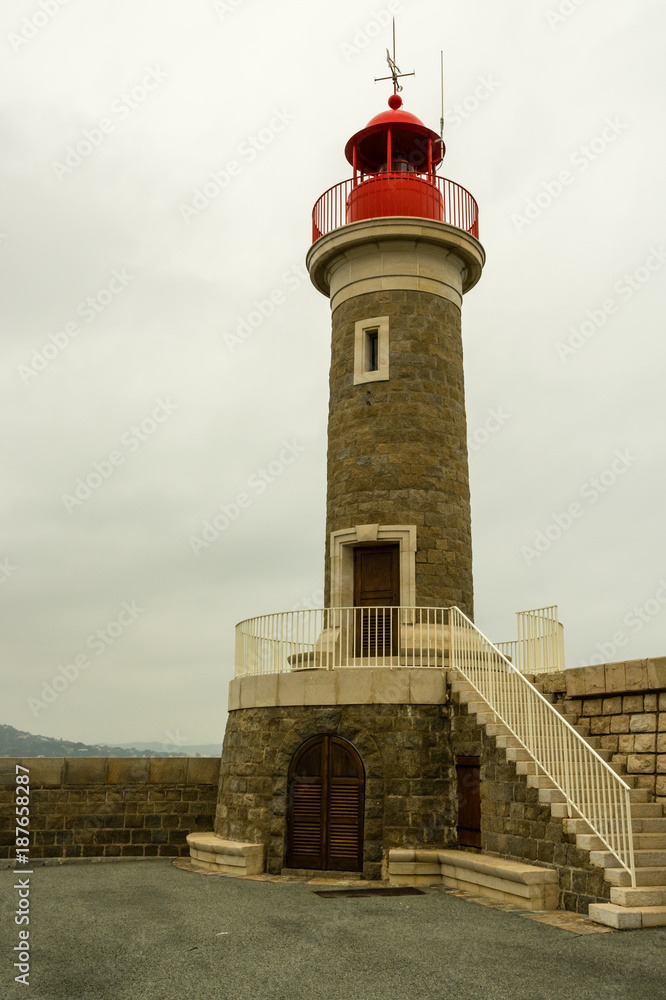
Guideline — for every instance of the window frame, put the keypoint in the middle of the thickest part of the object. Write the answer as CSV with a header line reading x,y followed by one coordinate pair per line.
x,y
363,329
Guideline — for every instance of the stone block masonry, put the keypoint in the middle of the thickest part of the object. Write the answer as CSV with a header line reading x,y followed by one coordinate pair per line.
x,y
397,449
405,749
624,705
110,806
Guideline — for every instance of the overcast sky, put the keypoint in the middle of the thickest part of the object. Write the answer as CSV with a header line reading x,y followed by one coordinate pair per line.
x,y
135,356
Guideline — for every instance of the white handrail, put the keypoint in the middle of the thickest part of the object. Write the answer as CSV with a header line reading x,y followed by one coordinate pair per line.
x,y
540,644
342,637
591,788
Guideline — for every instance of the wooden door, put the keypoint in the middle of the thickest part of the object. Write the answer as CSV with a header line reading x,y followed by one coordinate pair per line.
x,y
377,588
326,800
468,772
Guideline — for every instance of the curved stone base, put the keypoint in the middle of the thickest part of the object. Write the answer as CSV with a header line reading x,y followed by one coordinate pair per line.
x,y
231,857
406,750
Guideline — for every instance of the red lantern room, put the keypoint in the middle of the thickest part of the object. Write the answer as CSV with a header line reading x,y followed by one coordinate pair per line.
x,y
395,158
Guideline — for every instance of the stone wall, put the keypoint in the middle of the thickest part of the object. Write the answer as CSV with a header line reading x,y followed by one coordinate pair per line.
x,y
110,807
406,753
397,449
625,706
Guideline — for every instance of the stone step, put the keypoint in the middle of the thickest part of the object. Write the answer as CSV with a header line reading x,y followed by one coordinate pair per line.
x,y
642,841
640,896
644,876
460,686
503,737
527,767
639,810
642,859
581,826
550,794
517,753
485,718
624,918
539,781
606,755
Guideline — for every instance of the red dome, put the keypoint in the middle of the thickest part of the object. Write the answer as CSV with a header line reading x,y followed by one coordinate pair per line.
x,y
410,139
395,118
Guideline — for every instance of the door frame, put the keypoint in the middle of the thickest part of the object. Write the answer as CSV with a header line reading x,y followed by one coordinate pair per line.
x,y
342,544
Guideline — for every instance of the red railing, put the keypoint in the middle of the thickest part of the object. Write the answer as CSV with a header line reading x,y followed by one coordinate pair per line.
x,y
332,210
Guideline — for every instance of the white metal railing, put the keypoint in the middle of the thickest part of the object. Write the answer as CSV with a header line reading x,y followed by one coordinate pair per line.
x,y
540,644
342,637
591,788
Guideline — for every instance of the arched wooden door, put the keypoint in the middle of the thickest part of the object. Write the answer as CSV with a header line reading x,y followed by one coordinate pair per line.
x,y
326,799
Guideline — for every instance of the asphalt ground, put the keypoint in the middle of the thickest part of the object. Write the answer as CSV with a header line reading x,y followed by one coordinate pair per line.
x,y
151,931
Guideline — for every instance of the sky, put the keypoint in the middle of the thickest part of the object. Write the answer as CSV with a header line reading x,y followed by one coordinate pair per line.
x,y
162,343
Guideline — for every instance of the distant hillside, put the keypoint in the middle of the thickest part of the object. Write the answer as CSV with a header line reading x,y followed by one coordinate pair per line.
x,y
14,743
179,749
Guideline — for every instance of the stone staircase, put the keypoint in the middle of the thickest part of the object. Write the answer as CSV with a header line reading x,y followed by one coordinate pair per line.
x,y
629,908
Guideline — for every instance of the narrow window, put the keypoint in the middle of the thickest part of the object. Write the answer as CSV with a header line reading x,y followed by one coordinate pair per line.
x,y
371,350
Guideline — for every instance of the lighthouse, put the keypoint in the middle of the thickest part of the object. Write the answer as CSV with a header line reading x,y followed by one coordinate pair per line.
x,y
395,249
339,744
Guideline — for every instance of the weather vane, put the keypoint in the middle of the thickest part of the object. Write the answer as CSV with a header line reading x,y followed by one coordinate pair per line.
x,y
395,70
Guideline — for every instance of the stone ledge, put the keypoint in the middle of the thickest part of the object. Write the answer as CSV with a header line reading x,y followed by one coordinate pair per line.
x,y
515,882
230,856
54,772
341,686
631,676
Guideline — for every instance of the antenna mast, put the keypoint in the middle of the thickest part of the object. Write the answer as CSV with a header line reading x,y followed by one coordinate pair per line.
x,y
441,120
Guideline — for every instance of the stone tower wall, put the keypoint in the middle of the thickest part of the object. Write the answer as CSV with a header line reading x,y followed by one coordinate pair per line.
x,y
397,449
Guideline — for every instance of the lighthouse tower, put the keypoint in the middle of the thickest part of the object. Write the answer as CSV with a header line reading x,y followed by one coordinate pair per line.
x,y
395,248
340,744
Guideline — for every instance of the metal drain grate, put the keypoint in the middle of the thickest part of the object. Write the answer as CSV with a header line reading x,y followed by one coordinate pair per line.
x,y
393,890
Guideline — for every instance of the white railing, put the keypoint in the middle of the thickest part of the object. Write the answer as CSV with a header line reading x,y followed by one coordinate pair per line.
x,y
539,647
342,637
591,788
